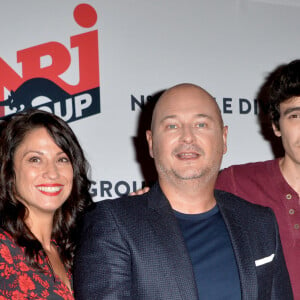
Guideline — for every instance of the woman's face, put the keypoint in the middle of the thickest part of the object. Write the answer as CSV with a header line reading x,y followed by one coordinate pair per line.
x,y
43,173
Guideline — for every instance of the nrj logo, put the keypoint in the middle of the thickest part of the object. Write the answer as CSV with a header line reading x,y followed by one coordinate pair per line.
x,y
41,86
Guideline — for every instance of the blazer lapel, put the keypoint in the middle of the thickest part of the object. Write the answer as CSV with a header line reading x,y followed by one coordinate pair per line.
x,y
239,237
167,230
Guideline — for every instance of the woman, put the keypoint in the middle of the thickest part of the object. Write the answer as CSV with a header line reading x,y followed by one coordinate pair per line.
x,y
44,190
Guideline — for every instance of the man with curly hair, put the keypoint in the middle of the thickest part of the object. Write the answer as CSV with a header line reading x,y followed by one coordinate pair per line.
x,y
276,183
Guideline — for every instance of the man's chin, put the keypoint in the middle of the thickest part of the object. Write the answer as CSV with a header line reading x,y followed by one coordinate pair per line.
x,y
189,175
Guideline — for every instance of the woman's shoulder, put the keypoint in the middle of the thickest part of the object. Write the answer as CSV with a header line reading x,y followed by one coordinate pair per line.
x,y
9,250
4,234
6,238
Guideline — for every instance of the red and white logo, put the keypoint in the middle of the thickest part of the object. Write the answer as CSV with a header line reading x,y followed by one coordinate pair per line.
x,y
42,87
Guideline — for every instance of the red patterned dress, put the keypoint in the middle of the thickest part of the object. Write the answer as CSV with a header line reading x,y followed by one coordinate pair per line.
x,y
19,281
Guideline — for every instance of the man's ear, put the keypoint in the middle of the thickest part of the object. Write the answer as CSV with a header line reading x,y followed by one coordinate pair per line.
x,y
225,132
276,130
150,142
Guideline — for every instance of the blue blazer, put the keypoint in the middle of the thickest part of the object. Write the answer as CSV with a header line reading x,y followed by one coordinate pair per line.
x,y
132,248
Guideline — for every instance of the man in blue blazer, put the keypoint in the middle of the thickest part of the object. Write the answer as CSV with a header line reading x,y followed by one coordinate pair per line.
x,y
183,239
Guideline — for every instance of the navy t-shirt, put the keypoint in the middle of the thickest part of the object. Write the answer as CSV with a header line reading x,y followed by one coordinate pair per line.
x,y
209,246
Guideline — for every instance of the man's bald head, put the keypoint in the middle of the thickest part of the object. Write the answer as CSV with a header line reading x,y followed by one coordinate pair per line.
x,y
182,92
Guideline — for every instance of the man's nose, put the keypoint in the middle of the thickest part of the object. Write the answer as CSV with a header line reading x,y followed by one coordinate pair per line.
x,y
187,134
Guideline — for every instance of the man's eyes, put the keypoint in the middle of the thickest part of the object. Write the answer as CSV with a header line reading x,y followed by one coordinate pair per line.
x,y
172,126
294,116
201,125
197,125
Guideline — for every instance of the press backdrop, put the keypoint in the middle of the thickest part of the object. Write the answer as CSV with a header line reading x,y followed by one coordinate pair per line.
x,y
98,63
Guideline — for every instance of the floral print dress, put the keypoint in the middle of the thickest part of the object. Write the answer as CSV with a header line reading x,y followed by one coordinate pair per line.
x,y
19,281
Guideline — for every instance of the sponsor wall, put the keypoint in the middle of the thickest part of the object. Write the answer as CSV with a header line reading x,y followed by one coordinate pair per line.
x,y
98,63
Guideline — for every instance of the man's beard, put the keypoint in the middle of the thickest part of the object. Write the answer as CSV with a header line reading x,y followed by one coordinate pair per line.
x,y
186,176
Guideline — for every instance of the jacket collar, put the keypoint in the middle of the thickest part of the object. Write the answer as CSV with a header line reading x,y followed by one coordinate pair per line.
x,y
165,225
233,218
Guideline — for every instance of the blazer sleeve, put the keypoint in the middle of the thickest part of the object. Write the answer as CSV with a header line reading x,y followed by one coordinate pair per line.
x,y
102,267
281,287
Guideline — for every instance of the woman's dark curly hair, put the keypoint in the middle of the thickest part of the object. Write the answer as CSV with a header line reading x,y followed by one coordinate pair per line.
x,y
284,83
13,213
